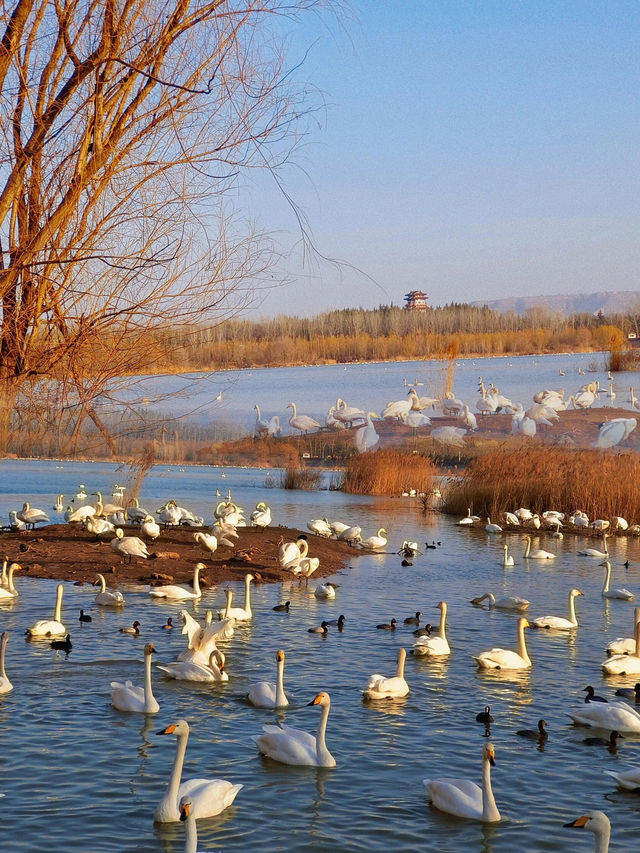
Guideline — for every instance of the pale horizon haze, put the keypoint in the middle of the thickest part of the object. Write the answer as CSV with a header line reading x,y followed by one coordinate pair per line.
x,y
473,150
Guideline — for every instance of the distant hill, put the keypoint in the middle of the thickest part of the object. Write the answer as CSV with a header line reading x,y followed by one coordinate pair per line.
x,y
573,303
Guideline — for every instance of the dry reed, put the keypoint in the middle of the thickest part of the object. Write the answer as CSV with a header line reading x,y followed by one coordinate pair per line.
x,y
601,483
388,472
306,479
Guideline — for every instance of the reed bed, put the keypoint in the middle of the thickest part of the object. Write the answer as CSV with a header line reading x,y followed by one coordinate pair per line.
x,y
601,483
307,479
388,472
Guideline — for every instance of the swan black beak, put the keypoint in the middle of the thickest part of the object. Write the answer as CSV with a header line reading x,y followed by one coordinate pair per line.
x,y
492,761
579,823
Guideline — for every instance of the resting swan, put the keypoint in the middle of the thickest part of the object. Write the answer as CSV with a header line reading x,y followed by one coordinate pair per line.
x,y
294,746
538,554
620,593
375,542
5,685
463,798
436,646
188,670
595,552
505,658
559,623
174,592
10,593
267,694
625,645
140,700
396,687
108,598
208,797
618,716
624,664
240,614
50,627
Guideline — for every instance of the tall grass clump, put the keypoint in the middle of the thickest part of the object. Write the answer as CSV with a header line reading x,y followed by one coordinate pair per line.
x,y
300,478
388,472
602,483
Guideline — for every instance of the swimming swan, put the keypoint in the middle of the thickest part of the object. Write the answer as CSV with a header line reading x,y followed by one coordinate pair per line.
x,y
559,623
509,602
108,597
174,592
595,552
294,746
436,646
538,554
505,658
188,670
5,685
208,797
50,627
9,593
610,715
240,614
140,700
598,823
507,559
620,593
625,645
396,687
267,694
624,664
464,798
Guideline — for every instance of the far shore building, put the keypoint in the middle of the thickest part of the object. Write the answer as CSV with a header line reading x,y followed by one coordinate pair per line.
x,y
416,300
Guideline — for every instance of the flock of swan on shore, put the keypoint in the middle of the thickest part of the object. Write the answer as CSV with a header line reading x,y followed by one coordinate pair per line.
x,y
204,661
411,412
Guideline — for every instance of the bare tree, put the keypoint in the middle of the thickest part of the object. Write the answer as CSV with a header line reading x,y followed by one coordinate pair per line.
x,y
123,127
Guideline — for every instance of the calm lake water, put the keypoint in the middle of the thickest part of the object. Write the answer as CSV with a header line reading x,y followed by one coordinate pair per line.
x,y
367,386
79,776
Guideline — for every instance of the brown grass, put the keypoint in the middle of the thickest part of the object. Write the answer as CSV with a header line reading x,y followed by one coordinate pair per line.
x,y
601,483
620,360
388,472
300,478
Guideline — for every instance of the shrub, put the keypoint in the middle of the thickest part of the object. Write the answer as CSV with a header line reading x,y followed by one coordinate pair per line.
x,y
388,472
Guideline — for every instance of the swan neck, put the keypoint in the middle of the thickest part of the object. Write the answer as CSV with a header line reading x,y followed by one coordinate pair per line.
x,y
103,583
443,620
280,697
572,610
149,699
196,582
247,595
528,548
227,611
10,585
176,770
323,755
489,808
607,577
401,662
3,645
58,611
522,646
191,835
637,640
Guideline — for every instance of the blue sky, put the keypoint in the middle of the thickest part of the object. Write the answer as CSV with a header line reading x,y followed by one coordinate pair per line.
x,y
470,149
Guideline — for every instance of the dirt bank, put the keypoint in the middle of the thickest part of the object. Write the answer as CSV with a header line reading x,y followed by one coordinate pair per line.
x,y
67,552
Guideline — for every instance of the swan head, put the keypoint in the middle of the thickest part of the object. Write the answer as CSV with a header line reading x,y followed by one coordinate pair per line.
x,y
200,567
119,532
180,727
575,592
185,808
321,699
149,649
279,656
595,821
523,623
99,580
489,754
249,578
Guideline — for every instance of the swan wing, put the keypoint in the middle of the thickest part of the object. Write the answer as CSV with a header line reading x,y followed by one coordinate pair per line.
x,y
619,716
387,687
126,697
187,671
433,646
459,797
621,665
501,659
208,797
289,746
627,779
559,623
262,694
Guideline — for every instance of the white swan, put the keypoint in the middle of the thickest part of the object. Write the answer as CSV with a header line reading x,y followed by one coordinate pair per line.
x,y
208,797
325,590
320,526
596,552
291,551
624,664
507,559
380,687
294,746
9,593
449,435
469,519
365,437
464,798
625,645
397,409
50,627
174,592
32,516
294,564
613,716
128,546
206,541
538,554
140,700
559,623
149,528
374,543
436,646
203,641
490,527
269,694
5,685
619,592
509,602
261,516
107,597
505,658
191,827
628,780
240,614
188,670
261,426
303,423
598,823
